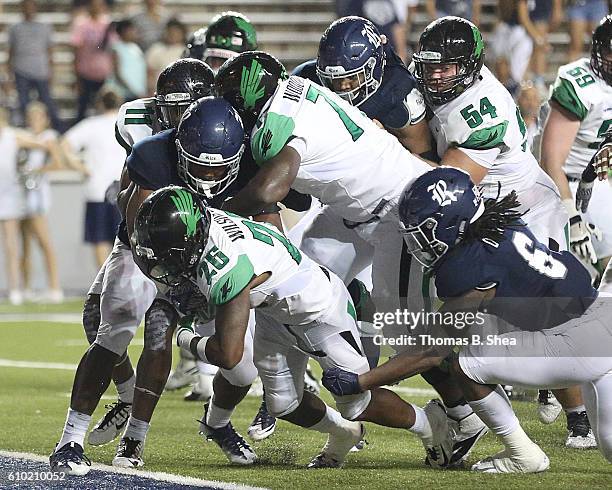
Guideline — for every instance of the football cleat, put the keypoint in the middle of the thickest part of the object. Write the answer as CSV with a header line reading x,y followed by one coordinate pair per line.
x,y
359,446
70,459
468,431
439,447
129,453
263,424
580,435
110,426
531,460
202,390
311,384
185,374
337,447
233,445
548,407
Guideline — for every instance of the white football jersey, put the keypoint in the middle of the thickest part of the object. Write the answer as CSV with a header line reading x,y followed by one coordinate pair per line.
x,y
297,291
347,162
485,122
136,121
581,92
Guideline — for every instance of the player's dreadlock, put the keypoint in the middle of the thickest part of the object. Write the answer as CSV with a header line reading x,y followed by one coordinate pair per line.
x,y
498,216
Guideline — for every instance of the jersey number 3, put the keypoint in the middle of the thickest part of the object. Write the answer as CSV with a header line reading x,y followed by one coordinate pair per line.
x,y
538,259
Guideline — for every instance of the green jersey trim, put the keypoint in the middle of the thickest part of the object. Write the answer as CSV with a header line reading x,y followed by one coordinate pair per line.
x,y
233,282
272,137
350,309
486,138
565,95
121,141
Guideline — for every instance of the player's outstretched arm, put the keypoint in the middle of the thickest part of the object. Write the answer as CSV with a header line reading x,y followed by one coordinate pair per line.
x,y
270,185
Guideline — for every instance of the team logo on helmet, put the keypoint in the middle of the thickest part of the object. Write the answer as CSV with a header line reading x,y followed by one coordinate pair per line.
x,y
441,194
250,85
189,214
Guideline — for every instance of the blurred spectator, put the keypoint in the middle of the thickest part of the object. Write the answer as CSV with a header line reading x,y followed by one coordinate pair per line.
x,y
101,164
546,17
38,201
468,9
512,38
12,202
502,72
529,101
405,10
92,60
383,15
129,66
30,60
583,17
150,23
169,49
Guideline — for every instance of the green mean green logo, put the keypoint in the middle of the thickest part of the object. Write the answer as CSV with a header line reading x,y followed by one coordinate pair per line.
x,y
478,42
250,85
190,215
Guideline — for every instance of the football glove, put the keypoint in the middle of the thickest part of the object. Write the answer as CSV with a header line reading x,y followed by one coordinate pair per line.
x,y
185,331
341,382
601,159
583,195
581,243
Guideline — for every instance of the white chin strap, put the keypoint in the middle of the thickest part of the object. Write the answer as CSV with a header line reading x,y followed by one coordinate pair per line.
x,y
479,211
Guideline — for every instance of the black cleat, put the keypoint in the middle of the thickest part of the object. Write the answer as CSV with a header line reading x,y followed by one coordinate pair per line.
x,y
129,453
263,424
70,459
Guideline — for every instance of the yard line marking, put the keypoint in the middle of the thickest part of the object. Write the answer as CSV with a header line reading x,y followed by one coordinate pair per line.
x,y
37,365
41,317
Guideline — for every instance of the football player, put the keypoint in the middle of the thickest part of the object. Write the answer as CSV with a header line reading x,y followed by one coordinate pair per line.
x,y
577,122
484,257
228,34
479,128
302,310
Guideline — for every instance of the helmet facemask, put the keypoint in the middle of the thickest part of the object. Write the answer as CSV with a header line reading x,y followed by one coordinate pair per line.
x,y
362,79
442,90
422,243
171,107
207,174
601,61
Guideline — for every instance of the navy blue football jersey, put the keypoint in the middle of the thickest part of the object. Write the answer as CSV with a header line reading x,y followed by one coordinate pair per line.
x,y
396,103
535,288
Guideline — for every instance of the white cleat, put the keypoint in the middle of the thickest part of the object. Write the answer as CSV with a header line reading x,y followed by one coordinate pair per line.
x,y
111,424
337,447
548,407
468,431
531,460
185,374
202,390
129,453
439,447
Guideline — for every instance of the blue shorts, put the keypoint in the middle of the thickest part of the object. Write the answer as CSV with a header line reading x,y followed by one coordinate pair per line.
x,y
101,222
587,10
542,9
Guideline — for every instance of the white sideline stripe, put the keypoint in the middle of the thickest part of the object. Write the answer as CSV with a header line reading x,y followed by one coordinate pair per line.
x,y
37,365
154,475
413,391
41,317
83,342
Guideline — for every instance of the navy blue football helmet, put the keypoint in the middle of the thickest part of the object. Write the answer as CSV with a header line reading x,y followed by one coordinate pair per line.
x,y
436,210
210,144
351,59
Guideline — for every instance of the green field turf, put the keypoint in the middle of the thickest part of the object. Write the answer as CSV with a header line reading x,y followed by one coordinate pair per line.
x,y
33,405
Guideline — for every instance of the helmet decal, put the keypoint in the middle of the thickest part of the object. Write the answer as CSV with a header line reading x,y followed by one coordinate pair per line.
x,y
250,85
478,43
188,213
441,194
248,29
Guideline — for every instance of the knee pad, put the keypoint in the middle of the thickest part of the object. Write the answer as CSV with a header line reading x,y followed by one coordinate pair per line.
x,y
352,406
279,405
243,374
159,319
91,317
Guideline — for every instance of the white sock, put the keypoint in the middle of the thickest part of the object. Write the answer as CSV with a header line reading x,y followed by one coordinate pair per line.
x,y
205,368
75,428
459,412
578,409
218,417
125,390
517,441
136,429
331,423
496,412
421,426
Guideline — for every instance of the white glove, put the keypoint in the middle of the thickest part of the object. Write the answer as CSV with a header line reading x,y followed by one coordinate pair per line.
x,y
583,195
580,234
